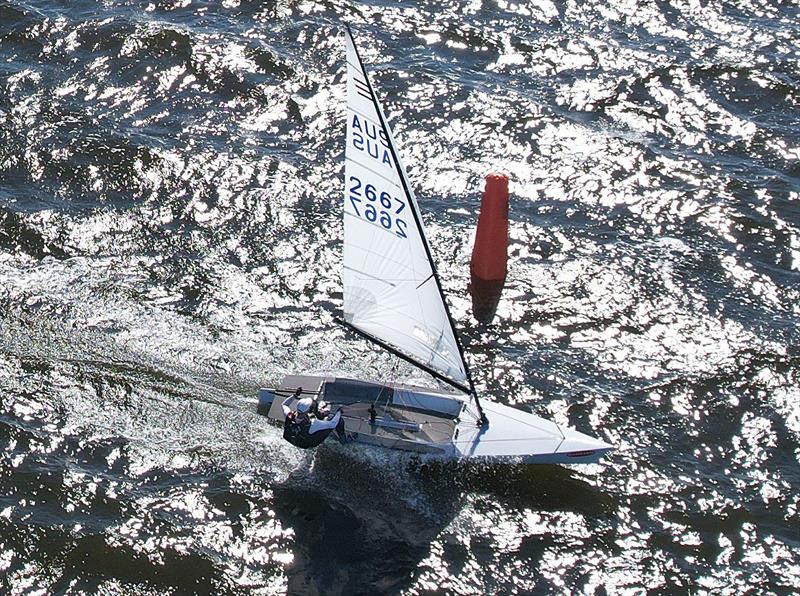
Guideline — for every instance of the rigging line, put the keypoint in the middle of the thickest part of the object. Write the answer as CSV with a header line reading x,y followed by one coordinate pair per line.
x,y
393,381
356,66
386,405
279,391
482,420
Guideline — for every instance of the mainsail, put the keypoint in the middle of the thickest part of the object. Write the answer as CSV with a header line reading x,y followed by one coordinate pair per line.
x,y
391,292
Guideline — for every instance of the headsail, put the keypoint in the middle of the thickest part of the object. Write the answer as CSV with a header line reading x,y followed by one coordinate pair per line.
x,y
391,292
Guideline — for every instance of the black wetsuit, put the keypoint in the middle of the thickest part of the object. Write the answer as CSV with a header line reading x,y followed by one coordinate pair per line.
x,y
297,433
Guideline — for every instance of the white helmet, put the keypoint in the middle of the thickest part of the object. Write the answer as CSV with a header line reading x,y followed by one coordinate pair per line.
x,y
304,405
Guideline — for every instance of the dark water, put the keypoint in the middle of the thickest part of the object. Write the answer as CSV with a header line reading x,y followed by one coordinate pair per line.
x,y
170,235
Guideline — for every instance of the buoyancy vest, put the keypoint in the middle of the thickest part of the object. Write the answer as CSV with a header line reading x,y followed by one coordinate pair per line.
x,y
297,433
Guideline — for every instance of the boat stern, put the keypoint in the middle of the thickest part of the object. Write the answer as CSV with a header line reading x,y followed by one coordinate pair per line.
x,y
265,398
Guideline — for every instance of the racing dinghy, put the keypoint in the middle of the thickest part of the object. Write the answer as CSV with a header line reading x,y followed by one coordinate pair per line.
x,y
393,297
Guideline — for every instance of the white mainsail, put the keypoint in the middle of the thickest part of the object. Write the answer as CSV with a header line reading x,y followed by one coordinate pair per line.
x,y
390,289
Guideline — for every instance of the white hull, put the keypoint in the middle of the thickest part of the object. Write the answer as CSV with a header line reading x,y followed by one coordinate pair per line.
x,y
439,424
516,436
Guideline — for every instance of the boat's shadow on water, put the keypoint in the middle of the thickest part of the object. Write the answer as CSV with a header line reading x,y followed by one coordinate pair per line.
x,y
363,526
533,487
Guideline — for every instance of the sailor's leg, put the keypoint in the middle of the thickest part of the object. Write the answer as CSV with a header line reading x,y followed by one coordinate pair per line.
x,y
340,431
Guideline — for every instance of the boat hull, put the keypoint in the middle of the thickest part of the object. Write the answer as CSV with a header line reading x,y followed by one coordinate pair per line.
x,y
438,424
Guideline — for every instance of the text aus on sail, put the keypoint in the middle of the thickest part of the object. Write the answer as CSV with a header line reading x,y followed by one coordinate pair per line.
x,y
370,193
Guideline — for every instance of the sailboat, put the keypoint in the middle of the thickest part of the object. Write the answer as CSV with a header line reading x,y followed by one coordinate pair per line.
x,y
393,297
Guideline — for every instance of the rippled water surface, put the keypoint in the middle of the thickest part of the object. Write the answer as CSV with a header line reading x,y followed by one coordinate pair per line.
x,y
170,239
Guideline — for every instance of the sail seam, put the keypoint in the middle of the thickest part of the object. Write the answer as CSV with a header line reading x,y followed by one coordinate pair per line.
x,y
369,251
389,180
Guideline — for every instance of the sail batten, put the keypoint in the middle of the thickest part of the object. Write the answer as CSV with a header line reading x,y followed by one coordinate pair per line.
x,y
385,240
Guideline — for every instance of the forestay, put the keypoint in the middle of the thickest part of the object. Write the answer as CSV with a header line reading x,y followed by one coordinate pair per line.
x,y
390,290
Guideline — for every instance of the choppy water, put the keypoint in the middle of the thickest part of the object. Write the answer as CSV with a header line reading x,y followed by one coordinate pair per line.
x,y
170,175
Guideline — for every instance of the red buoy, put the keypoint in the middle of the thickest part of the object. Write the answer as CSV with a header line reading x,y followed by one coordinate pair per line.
x,y
488,267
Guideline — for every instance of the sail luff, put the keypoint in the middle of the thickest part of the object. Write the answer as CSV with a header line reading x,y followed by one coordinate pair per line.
x,y
456,376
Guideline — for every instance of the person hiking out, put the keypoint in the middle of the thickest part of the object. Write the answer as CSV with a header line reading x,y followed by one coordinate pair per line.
x,y
306,426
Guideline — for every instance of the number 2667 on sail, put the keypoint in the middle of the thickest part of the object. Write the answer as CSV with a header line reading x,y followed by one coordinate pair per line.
x,y
377,206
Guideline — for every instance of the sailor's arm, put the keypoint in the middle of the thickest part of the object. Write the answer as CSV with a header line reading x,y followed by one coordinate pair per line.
x,y
318,425
285,405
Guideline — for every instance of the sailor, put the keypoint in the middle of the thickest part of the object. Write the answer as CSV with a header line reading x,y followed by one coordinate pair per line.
x,y
307,427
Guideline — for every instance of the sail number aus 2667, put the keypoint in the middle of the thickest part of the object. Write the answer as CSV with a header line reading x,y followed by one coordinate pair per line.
x,y
377,206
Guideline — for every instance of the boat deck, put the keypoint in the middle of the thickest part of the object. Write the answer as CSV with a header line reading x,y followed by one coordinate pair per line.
x,y
432,429
395,426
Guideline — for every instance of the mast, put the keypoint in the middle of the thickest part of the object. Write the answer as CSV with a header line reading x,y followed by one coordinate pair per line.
x,y
482,420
